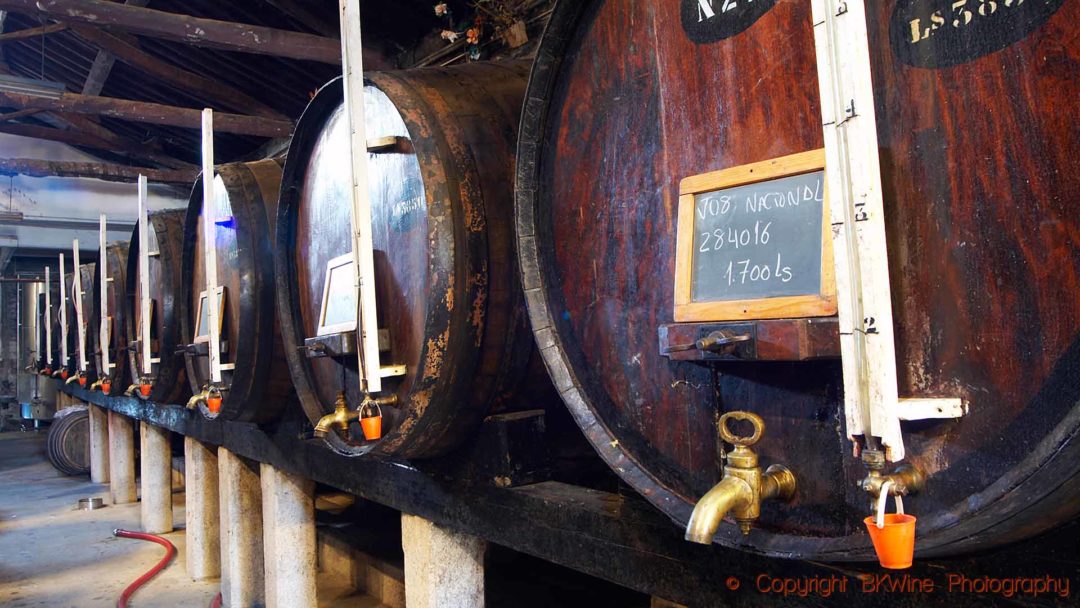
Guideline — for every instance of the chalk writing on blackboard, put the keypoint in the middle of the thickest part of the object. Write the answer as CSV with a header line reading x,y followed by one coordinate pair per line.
x,y
753,242
759,240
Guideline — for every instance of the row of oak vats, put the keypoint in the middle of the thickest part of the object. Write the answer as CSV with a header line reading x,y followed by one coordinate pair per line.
x,y
980,164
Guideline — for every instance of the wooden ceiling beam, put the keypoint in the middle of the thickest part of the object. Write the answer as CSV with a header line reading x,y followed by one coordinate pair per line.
x,y
32,32
108,172
85,140
197,31
150,151
180,78
299,11
103,64
155,113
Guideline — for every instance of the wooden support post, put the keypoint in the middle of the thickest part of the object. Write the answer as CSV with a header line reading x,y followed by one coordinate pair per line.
x,y
99,442
242,565
289,538
121,459
202,546
210,33
442,567
112,173
155,479
142,111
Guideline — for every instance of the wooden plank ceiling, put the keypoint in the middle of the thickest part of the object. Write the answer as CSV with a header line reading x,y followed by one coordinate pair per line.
x,y
117,65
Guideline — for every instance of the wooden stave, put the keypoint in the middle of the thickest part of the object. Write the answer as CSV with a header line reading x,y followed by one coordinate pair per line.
x,y
1022,503
170,383
427,101
117,258
260,385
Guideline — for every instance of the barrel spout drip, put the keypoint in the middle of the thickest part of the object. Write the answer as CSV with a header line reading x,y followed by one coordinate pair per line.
x,y
743,487
339,420
730,495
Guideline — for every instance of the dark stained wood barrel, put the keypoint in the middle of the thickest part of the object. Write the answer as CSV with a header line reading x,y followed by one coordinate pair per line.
x,y
446,279
258,387
47,317
88,276
116,259
69,337
67,444
980,167
168,376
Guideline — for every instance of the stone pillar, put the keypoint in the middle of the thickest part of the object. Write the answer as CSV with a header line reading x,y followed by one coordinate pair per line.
x,y
121,459
155,477
99,444
242,571
289,538
442,567
202,542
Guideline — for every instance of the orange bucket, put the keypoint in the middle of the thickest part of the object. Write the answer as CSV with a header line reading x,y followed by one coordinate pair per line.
x,y
213,403
82,381
895,542
893,534
372,425
64,374
105,386
145,389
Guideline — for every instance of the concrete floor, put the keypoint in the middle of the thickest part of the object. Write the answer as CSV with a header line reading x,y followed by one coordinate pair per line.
x,y
54,555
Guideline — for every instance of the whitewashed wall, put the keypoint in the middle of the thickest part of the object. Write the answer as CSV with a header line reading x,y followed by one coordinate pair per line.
x,y
66,198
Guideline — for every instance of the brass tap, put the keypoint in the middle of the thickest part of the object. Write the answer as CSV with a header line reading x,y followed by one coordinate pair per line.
x,y
130,390
906,479
198,398
339,420
743,486
96,385
342,416
73,378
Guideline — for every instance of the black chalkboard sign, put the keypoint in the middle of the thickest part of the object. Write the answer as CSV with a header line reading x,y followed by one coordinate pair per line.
x,y
754,242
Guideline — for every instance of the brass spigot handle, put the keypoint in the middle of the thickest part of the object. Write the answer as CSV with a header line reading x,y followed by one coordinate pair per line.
x,y
728,436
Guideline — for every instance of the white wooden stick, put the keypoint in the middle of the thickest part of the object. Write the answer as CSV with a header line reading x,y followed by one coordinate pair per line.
x,y
853,172
209,244
63,314
144,279
363,257
48,318
80,319
103,303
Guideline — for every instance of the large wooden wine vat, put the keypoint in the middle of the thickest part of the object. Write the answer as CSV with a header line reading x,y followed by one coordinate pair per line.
x,y
255,379
69,336
168,376
116,378
46,317
449,300
981,163
89,278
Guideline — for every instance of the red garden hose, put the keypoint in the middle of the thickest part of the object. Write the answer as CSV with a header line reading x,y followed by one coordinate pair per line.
x,y
170,552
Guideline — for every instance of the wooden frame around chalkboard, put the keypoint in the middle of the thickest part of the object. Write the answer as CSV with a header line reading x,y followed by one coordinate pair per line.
x,y
821,304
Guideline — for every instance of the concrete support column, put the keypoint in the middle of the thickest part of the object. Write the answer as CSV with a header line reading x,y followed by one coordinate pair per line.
x,y
202,542
155,476
121,459
99,444
242,574
288,538
442,567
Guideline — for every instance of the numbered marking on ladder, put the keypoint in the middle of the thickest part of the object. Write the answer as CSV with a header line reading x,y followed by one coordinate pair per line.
x,y
360,217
